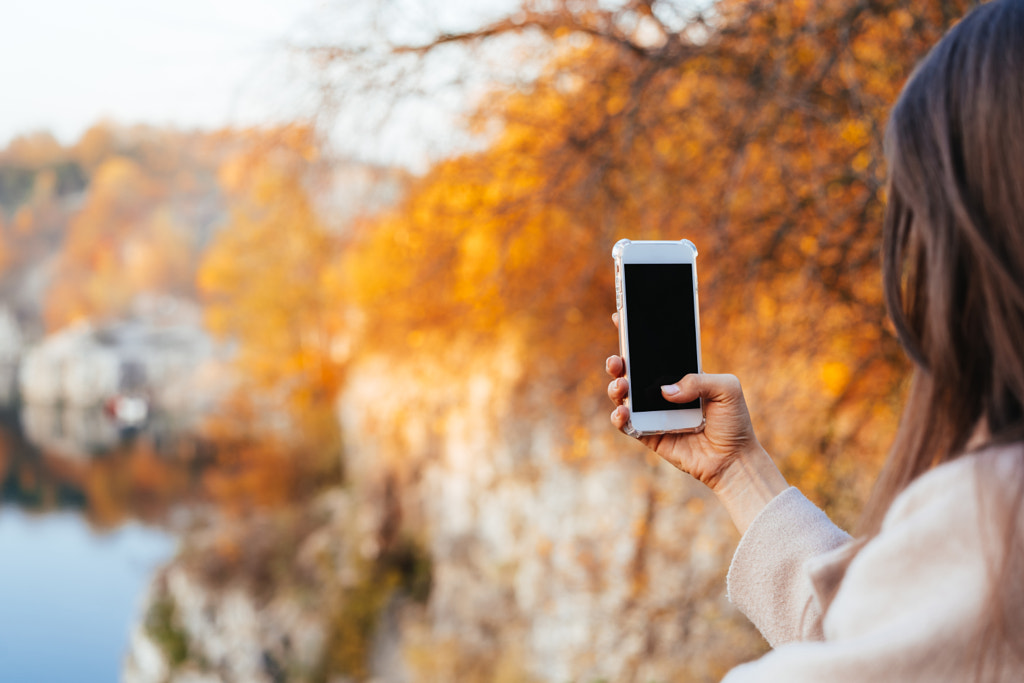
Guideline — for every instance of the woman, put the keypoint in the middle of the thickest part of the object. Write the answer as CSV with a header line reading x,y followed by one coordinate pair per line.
x,y
934,589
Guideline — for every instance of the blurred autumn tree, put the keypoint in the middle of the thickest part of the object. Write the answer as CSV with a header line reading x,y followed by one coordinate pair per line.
x,y
269,281
122,242
753,128
228,218
225,217
84,228
37,175
276,256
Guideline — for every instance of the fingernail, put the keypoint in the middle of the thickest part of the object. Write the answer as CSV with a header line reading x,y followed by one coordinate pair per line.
x,y
669,389
608,364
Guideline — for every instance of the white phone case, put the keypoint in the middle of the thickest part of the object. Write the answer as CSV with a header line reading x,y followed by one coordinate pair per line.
x,y
620,306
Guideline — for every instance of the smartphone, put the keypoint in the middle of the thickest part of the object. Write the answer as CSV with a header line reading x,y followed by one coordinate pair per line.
x,y
659,331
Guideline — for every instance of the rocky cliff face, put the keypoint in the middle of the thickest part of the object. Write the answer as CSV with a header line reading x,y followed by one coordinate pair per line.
x,y
551,560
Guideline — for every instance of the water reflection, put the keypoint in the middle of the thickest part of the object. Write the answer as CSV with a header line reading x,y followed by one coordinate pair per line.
x,y
70,433
8,382
81,433
82,506
52,459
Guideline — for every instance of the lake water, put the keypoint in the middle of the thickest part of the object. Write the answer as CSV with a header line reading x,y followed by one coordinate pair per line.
x,y
69,595
70,589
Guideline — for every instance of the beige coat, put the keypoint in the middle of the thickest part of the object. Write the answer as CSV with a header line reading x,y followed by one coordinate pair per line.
x,y
908,604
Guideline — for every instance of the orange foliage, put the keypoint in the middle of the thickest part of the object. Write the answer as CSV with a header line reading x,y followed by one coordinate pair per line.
x,y
267,279
262,461
121,243
136,482
268,282
6,250
123,211
35,150
760,141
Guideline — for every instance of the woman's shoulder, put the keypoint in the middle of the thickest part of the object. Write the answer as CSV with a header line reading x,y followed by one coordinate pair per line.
x,y
957,482
929,562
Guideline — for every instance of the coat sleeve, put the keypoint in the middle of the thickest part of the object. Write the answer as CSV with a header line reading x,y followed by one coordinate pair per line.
x,y
768,580
909,605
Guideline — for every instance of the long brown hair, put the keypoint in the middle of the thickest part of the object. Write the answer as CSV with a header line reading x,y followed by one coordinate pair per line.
x,y
953,252
953,267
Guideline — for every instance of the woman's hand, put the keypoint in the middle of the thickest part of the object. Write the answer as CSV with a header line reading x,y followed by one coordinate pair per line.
x,y
726,455
708,454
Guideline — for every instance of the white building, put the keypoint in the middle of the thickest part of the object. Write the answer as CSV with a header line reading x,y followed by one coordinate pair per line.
x,y
87,365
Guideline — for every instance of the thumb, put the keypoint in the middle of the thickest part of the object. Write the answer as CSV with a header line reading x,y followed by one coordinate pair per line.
x,y
720,388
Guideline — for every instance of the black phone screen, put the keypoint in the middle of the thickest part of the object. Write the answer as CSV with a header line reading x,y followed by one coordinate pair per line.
x,y
661,329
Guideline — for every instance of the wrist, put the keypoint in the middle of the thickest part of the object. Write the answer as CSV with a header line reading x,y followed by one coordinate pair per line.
x,y
748,484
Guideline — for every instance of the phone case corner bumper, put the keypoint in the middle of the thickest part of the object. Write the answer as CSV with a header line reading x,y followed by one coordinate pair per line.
x,y
619,247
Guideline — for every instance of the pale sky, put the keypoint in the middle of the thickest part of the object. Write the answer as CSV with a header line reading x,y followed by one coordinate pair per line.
x,y
66,64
